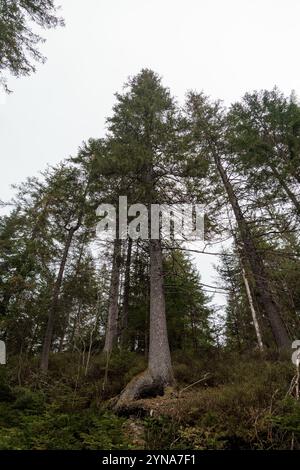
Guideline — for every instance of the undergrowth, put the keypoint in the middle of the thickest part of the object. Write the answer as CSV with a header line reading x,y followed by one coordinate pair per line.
x,y
241,404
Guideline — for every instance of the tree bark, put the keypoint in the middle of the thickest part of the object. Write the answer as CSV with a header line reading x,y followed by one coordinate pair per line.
x,y
262,286
67,319
54,304
113,309
159,374
253,311
125,308
159,361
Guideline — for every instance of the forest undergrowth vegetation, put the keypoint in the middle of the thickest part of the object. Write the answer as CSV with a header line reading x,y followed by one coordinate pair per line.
x,y
242,403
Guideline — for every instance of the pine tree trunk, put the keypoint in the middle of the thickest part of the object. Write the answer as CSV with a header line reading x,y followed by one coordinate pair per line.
x,y
262,286
159,373
159,361
125,308
54,304
253,311
113,309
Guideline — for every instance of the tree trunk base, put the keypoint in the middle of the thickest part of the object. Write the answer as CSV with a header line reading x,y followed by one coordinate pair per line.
x,y
144,385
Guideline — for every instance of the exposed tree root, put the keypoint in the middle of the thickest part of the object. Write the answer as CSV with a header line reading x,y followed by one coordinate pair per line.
x,y
144,385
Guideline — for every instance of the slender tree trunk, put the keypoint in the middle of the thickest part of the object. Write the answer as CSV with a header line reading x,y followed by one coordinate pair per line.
x,y
67,319
236,326
57,286
194,333
54,303
125,308
113,309
253,311
286,188
236,320
75,326
262,286
249,295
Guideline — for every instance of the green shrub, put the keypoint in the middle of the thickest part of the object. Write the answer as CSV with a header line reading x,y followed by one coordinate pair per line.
x,y
5,390
29,400
160,432
105,432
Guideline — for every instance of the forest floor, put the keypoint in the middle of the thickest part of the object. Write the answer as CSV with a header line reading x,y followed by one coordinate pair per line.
x,y
222,401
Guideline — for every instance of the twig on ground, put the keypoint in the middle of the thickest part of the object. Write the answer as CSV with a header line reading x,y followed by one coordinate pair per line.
x,y
195,383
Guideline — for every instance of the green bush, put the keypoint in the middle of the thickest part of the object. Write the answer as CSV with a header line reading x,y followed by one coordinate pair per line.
x,y
53,430
29,400
105,432
5,390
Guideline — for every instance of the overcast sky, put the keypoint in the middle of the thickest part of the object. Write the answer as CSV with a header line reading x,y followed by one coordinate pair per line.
x,y
224,47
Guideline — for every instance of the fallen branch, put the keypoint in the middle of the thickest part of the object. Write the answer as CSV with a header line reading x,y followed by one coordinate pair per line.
x,y
195,383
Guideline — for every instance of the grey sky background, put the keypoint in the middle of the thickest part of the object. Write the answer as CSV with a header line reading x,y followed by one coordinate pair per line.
x,y
224,47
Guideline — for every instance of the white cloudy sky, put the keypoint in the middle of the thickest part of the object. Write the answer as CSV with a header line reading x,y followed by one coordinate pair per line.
x,y
225,47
